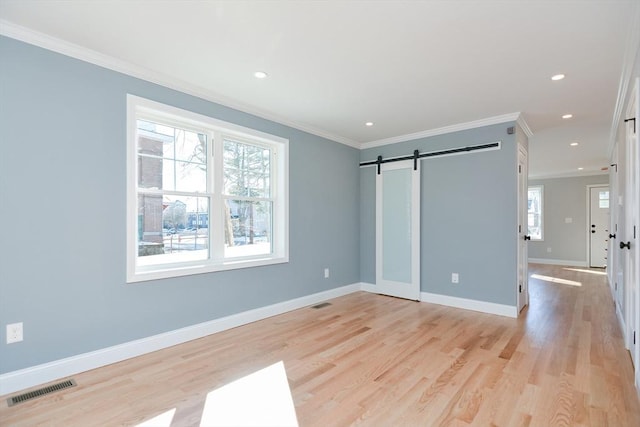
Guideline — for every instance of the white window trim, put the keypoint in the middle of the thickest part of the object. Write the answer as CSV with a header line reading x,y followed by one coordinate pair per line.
x,y
541,187
193,121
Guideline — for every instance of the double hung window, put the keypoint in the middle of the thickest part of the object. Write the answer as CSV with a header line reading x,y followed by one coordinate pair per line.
x,y
203,195
535,212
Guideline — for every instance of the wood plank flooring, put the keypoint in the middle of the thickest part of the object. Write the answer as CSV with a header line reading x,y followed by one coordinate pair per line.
x,y
380,361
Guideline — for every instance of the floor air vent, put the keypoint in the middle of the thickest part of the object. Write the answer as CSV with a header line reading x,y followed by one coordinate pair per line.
x,y
40,392
321,305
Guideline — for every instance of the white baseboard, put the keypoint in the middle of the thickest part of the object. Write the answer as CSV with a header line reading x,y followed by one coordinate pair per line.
x,y
623,326
550,261
467,304
51,371
470,304
369,287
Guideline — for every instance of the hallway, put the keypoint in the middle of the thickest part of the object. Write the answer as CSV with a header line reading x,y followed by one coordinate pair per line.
x,y
572,326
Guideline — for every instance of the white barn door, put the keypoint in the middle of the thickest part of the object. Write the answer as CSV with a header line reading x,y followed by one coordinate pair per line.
x,y
398,229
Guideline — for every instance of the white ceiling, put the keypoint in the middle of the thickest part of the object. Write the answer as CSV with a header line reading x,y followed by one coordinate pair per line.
x,y
407,66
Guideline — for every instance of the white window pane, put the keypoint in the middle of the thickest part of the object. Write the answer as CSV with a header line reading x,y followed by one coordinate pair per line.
x,y
171,158
246,170
168,181
190,146
150,225
534,213
248,228
160,131
172,228
190,177
603,199
151,171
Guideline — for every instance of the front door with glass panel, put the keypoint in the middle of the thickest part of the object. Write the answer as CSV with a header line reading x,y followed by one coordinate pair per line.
x,y
398,229
599,226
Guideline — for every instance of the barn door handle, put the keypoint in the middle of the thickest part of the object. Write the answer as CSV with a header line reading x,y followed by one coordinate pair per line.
x,y
625,245
612,236
527,237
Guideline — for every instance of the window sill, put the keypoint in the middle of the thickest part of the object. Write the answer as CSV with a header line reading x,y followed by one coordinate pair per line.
x,y
156,274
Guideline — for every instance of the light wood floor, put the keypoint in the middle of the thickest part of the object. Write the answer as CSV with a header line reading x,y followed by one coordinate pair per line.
x,y
381,361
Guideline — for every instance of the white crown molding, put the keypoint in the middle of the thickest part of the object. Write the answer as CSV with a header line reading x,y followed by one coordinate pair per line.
x,y
54,44
443,130
524,126
63,47
568,175
632,50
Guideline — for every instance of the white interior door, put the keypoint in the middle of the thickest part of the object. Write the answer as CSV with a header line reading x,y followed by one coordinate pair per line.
x,y
598,225
523,232
629,239
614,265
398,229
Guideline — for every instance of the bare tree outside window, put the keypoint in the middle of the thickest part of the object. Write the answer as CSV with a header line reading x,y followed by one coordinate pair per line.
x,y
247,192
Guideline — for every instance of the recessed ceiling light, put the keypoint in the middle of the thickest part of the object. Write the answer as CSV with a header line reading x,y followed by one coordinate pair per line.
x,y
580,169
260,74
369,124
573,144
558,77
567,116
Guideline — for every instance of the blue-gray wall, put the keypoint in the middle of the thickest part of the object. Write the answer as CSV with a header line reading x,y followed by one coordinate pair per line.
x,y
63,198
564,198
468,215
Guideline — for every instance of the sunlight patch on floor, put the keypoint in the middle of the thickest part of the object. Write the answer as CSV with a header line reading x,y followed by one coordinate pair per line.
x,y
556,280
259,399
581,270
163,420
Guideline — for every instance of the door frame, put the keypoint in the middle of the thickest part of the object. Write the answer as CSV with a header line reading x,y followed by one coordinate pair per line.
x,y
522,297
588,226
631,206
614,268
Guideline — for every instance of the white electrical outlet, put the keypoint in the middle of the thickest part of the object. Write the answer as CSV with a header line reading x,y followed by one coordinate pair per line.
x,y
455,278
326,273
14,333
548,250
